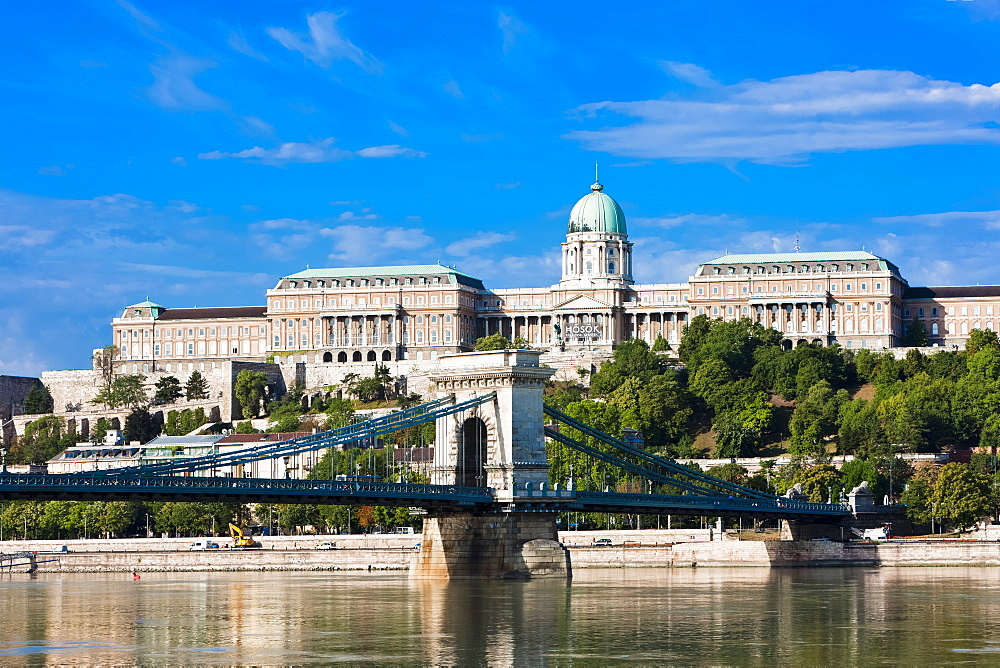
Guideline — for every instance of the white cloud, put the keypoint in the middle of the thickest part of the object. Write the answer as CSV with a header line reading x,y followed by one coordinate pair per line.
x,y
254,125
179,160
399,129
511,28
481,240
785,120
390,151
239,43
452,88
325,43
989,220
480,137
174,88
355,243
140,18
183,206
507,186
23,236
322,150
689,72
677,220
350,215
55,170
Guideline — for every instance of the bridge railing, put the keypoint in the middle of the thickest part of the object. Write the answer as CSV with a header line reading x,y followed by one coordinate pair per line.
x,y
100,482
779,503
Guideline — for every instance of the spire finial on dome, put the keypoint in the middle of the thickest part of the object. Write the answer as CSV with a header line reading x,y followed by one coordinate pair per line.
x,y
597,187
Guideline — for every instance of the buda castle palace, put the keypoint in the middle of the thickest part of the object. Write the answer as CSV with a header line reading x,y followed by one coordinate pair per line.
x,y
319,324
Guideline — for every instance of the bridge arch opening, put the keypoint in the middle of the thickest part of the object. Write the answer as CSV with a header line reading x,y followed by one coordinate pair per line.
x,y
472,453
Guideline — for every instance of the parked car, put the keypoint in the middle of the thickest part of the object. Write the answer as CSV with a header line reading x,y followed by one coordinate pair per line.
x,y
602,542
326,545
204,545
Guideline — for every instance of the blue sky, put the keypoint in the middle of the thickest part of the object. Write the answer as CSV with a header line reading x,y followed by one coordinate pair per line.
x,y
195,152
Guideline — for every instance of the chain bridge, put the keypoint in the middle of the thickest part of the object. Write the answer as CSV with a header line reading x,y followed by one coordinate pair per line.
x,y
491,509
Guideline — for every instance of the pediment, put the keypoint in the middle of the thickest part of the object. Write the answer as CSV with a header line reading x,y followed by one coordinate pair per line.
x,y
582,303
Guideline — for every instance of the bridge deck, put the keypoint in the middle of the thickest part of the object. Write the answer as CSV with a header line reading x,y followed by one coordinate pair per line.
x,y
439,498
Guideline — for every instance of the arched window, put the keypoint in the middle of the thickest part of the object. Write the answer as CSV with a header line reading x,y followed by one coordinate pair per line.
x,y
590,267
342,357
357,356
611,267
934,329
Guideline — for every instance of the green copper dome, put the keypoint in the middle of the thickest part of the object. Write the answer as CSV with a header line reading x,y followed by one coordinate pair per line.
x,y
597,212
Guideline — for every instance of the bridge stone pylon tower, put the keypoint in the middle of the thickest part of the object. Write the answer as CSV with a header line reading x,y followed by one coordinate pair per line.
x,y
499,444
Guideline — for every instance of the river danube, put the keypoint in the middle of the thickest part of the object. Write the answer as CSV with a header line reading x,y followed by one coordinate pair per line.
x,y
733,616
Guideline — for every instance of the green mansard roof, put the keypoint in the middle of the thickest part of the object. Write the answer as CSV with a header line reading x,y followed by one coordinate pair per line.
x,y
454,275
793,258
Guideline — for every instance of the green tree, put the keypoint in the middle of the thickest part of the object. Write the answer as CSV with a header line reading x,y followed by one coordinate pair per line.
x,y
339,413
660,345
857,471
42,440
245,428
917,499
168,389
814,419
100,430
125,391
38,401
820,483
520,343
103,361
196,386
740,431
695,334
492,342
182,518
139,426
284,418
980,339
249,391
961,496
916,334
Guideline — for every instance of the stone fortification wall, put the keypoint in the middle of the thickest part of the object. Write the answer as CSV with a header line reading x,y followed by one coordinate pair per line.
x,y
71,390
13,390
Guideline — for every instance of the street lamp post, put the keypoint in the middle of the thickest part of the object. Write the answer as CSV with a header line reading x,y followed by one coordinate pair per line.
x,y
3,458
148,535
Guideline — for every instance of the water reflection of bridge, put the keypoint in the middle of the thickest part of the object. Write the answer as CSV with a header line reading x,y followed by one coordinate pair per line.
x,y
491,509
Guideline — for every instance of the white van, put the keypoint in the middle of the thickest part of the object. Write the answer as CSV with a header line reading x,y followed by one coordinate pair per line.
x,y
204,545
404,530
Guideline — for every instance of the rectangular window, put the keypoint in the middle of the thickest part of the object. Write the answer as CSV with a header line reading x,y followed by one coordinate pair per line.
x,y
878,286
169,349
864,286
156,349
190,349
847,288
934,311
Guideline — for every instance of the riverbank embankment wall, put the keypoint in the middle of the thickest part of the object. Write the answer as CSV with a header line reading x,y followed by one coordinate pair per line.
x,y
389,552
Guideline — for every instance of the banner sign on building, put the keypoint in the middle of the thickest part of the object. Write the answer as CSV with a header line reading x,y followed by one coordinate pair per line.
x,y
584,332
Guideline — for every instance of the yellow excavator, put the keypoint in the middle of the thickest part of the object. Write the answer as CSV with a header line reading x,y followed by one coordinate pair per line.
x,y
240,540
